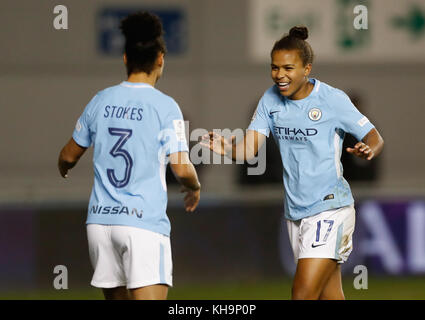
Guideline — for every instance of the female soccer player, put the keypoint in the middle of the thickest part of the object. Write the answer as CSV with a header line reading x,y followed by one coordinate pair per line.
x,y
134,129
308,119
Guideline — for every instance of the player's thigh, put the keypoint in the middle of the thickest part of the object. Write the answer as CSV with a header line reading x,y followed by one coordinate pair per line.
x,y
154,292
311,276
294,237
118,293
146,256
106,261
333,287
327,234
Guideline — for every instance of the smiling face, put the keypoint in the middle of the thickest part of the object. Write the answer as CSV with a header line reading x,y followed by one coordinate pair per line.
x,y
289,74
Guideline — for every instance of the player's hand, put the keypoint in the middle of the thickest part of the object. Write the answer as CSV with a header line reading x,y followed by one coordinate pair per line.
x,y
217,143
191,199
63,172
362,150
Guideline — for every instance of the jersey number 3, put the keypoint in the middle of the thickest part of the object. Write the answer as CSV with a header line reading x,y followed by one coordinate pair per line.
x,y
117,151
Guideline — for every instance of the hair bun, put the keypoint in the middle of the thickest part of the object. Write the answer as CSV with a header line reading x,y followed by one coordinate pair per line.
x,y
300,32
142,27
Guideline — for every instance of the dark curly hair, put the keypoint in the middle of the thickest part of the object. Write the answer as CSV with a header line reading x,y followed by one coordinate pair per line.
x,y
295,40
143,41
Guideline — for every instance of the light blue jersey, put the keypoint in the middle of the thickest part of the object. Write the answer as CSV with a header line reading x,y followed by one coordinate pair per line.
x,y
309,133
133,127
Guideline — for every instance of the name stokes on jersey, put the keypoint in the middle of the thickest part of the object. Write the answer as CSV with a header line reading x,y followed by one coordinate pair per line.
x,y
123,113
97,209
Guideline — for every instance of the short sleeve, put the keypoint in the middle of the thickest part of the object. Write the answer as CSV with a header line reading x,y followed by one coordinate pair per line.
x,y
259,120
349,117
173,133
81,133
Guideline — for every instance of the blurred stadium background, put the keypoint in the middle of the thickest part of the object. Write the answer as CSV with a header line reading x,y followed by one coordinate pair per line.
x,y
235,246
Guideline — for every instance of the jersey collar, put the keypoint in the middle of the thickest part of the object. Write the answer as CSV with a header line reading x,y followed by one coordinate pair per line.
x,y
135,84
313,92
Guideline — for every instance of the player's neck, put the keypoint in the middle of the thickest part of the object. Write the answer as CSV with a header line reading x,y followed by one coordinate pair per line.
x,y
303,92
143,77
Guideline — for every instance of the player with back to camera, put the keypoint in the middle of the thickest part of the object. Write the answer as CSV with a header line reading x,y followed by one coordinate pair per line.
x,y
308,119
134,129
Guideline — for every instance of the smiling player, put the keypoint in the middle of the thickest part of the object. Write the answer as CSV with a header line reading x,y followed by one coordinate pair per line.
x,y
308,119
134,129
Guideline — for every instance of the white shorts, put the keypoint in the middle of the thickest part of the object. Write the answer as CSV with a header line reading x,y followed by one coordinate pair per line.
x,y
324,235
128,256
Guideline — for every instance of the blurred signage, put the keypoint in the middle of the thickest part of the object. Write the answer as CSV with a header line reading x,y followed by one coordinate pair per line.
x,y
111,41
389,238
395,30
18,248
394,236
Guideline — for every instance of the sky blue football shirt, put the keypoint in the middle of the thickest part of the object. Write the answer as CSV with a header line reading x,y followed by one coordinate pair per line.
x,y
309,133
133,128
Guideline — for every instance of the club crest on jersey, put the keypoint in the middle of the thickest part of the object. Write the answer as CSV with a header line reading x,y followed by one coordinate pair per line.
x,y
315,114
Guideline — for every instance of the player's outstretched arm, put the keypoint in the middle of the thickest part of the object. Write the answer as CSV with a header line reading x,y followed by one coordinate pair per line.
x,y
69,156
185,173
244,150
371,146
